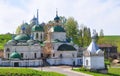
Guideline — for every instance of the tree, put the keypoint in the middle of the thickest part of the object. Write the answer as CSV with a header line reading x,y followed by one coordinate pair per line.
x,y
96,35
71,27
18,30
63,19
101,33
84,35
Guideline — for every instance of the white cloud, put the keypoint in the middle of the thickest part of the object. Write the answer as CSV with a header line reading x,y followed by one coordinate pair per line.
x,y
96,14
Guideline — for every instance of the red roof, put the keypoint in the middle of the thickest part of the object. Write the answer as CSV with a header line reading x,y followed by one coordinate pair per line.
x,y
106,45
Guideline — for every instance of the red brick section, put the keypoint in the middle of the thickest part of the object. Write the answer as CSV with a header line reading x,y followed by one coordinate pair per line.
x,y
1,53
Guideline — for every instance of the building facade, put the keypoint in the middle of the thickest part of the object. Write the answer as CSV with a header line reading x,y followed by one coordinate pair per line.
x,y
37,45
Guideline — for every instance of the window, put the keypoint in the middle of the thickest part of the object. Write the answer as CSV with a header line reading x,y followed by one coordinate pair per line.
x,y
53,54
7,50
37,35
41,36
41,54
35,56
86,62
21,55
61,56
8,55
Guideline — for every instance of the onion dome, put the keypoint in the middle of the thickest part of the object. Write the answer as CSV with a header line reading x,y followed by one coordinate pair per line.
x,y
56,19
33,20
11,42
93,47
66,47
15,55
37,28
30,42
22,37
58,29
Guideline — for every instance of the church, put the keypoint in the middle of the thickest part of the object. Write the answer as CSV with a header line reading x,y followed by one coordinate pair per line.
x,y
40,44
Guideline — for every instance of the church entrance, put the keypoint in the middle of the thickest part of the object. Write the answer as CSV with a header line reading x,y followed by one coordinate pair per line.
x,y
16,64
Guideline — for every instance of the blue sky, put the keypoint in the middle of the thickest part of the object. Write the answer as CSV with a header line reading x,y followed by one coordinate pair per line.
x,y
96,14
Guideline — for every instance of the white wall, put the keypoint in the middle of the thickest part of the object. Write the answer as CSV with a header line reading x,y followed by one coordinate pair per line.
x,y
22,63
64,61
59,35
0,61
97,62
28,51
84,62
39,36
94,62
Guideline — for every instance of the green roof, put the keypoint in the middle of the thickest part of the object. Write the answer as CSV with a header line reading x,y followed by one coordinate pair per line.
x,y
58,29
37,28
15,55
57,18
22,37
66,47
11,42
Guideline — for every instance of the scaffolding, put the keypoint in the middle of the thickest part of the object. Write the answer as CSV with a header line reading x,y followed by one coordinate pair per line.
x,y
47,49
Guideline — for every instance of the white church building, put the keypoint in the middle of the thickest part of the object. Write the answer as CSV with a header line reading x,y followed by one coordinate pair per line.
x,y
44,44
93,57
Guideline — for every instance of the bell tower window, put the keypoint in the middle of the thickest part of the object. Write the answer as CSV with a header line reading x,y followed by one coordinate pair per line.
x,y
37,35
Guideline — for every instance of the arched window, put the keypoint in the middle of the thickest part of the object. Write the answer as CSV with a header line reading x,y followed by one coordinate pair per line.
x,y
37,35
53,54
41,54
35,56
8,55
41,36
61,55
7,50
86,62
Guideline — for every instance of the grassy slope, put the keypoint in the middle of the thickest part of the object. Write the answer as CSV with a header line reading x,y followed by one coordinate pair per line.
x,y
114,40
26,72
111,72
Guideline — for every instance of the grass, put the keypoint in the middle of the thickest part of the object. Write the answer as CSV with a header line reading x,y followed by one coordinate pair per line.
x,y
26,72
111,72
112,38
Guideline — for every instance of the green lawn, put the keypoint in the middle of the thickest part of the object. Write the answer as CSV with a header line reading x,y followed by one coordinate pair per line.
x,y
111,72
26,72
112,38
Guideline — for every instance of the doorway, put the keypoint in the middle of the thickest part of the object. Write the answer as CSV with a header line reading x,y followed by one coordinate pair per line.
x,y
16,64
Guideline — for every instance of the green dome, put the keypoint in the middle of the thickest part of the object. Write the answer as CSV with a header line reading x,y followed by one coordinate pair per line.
x,y
65,47
22,37
30,42
37,28
58,29
56,18
11,42
15,55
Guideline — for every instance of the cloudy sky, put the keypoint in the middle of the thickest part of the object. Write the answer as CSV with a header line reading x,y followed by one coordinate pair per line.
x,y
96,14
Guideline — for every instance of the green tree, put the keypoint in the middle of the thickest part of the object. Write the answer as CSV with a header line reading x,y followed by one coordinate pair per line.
x,y
85,35
18,30
71,27
101,33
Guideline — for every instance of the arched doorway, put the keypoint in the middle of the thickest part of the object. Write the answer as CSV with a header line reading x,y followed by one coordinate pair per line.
x,y
16,64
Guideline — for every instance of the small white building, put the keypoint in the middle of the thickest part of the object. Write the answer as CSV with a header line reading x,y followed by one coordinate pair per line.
x,y
93,57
